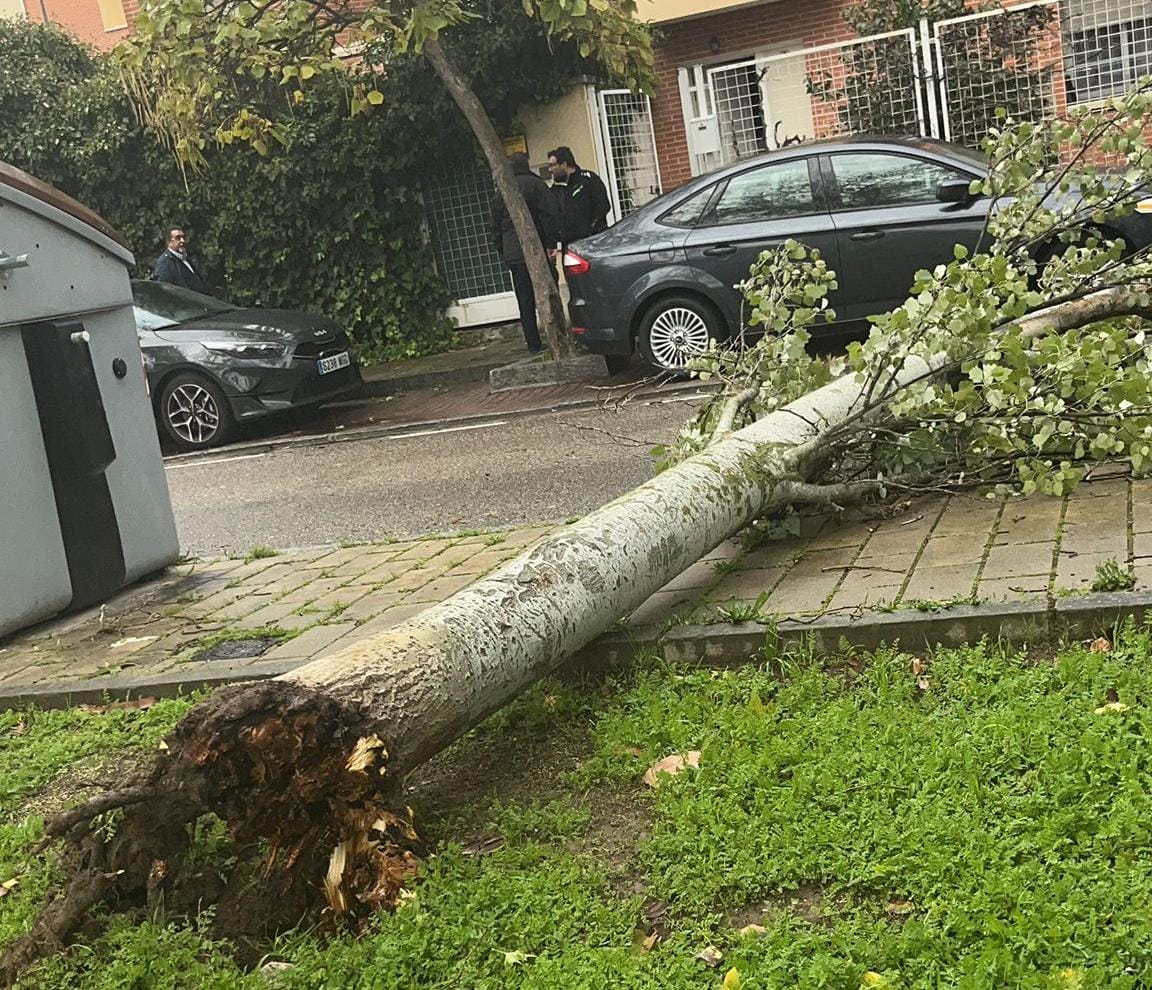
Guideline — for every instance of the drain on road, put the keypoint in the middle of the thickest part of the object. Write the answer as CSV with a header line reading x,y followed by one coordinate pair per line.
x,y
238,649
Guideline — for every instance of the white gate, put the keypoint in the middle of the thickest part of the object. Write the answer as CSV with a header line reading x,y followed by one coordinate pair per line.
x,y
630,143
457,205
947,79
1010,59
866,84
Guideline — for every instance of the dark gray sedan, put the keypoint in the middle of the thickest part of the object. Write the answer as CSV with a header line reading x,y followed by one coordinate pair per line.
x,y
211,365
661,281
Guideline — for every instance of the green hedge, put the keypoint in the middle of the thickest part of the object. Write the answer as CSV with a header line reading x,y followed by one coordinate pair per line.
x,y
332,224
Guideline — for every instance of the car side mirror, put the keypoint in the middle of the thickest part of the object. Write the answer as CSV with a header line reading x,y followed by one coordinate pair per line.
x,y
955,191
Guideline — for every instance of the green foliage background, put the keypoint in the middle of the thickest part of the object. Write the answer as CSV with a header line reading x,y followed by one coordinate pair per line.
x,y
333,222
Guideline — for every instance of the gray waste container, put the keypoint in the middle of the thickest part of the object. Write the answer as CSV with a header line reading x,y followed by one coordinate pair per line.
x,y
84,505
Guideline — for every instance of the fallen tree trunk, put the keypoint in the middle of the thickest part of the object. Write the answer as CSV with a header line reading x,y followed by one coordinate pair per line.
x,y
313,762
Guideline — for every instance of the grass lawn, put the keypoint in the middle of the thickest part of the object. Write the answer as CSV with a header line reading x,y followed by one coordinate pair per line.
x,y
975,819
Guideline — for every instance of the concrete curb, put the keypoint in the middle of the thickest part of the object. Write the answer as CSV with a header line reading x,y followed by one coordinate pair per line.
x,y
400,429
1015,623
718,645
467,375
537,371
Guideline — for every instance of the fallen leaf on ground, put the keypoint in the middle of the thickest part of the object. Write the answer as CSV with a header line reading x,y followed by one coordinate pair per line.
x,y
1100,645
655,911
753,930
8,886
732,979
711,956
671,765
917,666
517,958
923,683
647,942
900,907
1112,706
18,729
874,979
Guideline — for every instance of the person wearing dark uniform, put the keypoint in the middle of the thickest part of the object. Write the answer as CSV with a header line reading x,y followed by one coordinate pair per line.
x,y
542,205
584,199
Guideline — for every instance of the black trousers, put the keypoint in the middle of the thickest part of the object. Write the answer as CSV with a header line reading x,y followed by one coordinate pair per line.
x,y
526,303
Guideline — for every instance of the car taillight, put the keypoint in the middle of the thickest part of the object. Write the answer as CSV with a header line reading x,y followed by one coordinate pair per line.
x,y
575,265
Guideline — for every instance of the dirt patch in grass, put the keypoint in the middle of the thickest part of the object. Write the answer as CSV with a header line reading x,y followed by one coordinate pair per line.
x,y
806,902
621,821
81,780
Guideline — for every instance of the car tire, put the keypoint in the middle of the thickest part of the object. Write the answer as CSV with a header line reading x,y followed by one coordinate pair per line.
x,y
193,412
675,329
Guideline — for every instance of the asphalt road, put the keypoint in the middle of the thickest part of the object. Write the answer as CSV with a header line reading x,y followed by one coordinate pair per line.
x,y
538,468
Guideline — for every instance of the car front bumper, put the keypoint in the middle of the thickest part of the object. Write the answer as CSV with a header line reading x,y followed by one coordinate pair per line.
x,y
269,390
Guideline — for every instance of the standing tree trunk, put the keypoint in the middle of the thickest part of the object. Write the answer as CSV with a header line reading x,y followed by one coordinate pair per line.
x,y
549,306
313,762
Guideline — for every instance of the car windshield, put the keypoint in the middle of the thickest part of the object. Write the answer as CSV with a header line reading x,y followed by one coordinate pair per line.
x,y
158,304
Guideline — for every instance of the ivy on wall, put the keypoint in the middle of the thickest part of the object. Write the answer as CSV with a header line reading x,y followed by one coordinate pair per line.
x,y
331,223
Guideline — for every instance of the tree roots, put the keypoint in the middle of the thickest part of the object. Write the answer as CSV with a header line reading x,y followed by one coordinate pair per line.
x,y
302,782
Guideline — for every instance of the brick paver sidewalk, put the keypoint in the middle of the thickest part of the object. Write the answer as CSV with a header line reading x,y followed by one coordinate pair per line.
x,y
266,614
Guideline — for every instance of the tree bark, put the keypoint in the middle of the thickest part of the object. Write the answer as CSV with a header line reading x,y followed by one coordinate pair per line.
x,y
313,762
549,306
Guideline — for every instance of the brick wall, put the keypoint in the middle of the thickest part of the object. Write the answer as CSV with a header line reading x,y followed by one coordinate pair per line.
x,y
722,37
82,19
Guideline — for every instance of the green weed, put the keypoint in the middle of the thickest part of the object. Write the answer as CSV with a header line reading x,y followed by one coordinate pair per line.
x,y
1111,576
737,611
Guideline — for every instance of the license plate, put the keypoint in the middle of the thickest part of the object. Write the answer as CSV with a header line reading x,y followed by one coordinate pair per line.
x,y
334,363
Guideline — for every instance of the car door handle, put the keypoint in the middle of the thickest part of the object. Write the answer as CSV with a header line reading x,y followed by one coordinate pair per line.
x,y
867,235
720,251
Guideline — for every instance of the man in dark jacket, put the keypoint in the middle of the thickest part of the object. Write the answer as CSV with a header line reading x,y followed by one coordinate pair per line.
x,y
584,200
542,206
175,267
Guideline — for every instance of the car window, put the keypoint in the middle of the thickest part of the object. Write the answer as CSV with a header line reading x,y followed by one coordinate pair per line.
x,y
767,193
158,304
866,180
687,214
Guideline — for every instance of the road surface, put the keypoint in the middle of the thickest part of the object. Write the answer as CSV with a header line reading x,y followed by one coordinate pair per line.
x,y
491,475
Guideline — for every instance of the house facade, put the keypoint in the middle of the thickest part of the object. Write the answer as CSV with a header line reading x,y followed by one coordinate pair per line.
x,y
99,23
736,79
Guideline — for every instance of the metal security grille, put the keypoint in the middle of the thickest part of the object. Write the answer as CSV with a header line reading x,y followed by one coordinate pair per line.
x,y
1000,59
738,106
633,173
458,206
868,84
947,79
1108,46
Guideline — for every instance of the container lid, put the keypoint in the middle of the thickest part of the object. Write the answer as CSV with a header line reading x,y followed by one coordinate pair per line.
x,y
25,183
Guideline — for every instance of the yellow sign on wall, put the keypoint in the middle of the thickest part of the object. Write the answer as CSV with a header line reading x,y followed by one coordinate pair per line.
x,y
514,144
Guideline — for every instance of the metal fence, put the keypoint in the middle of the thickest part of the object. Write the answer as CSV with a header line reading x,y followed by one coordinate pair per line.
x,y
948,79
458,207
633,173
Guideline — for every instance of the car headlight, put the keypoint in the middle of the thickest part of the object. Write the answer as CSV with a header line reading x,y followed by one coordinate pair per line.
x,y
252,350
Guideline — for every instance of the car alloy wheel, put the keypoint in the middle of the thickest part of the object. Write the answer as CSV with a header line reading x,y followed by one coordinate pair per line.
x,y
193,412
675,335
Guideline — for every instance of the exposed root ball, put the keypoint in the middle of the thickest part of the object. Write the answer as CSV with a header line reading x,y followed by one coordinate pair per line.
x,y
301,781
